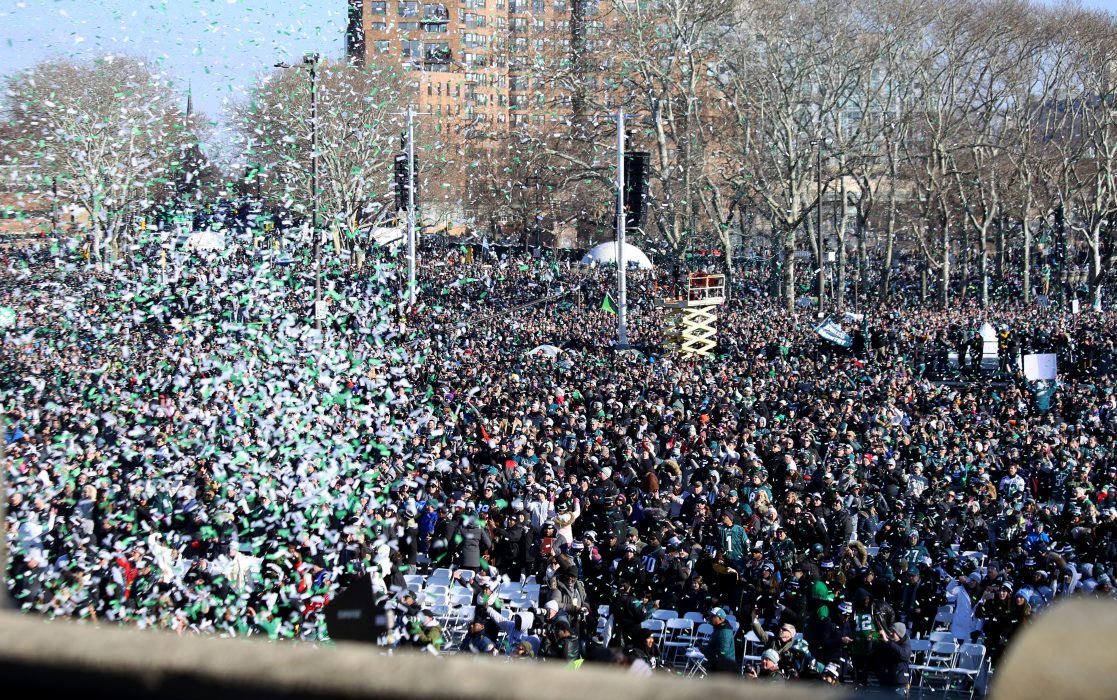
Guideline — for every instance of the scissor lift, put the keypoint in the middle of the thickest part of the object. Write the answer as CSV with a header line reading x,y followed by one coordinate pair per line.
x,y
691,316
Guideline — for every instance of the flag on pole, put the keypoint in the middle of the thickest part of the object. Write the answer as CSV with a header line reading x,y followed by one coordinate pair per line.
x,y
607,304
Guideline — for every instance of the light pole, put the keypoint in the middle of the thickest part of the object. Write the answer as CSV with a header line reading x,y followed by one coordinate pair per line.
x,y
310,60
818,227
622,296
412,290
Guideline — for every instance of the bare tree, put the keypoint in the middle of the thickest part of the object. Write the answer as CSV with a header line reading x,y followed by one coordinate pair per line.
x,y
359,134
110,133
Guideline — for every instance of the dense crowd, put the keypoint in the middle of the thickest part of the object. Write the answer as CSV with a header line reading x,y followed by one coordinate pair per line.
x,y
185,450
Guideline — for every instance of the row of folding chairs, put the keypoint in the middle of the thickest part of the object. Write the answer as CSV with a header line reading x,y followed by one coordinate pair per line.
x,y
697,617
440,587
943,662
674,636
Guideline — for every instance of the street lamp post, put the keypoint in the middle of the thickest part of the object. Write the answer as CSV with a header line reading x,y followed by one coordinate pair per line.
x,y
818,226
622,291
310,60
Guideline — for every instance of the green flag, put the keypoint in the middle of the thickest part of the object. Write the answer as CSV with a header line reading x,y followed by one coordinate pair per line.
x,y
607,305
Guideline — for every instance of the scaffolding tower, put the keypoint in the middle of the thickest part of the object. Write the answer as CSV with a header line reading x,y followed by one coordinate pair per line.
x,y
690,327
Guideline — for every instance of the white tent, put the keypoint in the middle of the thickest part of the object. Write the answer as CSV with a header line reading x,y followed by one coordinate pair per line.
x,y
606,254
206,240
548,350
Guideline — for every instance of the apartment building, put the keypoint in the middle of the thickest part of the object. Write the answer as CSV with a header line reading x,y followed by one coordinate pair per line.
x,y
480,64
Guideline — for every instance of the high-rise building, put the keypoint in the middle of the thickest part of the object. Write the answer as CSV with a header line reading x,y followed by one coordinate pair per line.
x,y
480,63
482,69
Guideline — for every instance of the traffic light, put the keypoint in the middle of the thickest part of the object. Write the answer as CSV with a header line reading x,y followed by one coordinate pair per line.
x,y
635,187
401,182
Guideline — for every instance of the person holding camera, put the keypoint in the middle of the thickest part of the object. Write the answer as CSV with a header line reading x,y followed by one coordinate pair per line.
x,y
892,656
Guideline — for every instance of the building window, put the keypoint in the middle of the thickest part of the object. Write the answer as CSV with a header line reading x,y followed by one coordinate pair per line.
x,y
435,13
410,48
517,6
408,26
378,26
378,7
475,4
560,6
438,52
381,46
409,8
538,7
435,27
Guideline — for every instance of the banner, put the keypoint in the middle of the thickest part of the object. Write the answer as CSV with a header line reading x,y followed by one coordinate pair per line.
x,y
1040,367
833,332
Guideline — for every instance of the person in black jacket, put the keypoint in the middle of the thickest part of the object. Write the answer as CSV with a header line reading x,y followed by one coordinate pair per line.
x,y
471,540
892,654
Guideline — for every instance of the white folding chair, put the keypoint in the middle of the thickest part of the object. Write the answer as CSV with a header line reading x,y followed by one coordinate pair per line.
x,y
508,591
697,617
656,627
695,663
466,576
943,620
439,577
678,636
415,581
703,634
941,636
918,660
753,650
531,590
967,667
461,597
435,595
664,615
442,612
940,659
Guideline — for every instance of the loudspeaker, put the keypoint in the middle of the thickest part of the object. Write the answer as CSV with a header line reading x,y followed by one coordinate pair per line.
x,y
401,181
354,616
635,187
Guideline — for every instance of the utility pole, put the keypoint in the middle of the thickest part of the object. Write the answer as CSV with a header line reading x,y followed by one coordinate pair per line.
x,y
622,297
818,226
54,212
412,290
311,59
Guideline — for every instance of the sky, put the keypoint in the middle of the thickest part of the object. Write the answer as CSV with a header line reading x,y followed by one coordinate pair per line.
x,y
216,47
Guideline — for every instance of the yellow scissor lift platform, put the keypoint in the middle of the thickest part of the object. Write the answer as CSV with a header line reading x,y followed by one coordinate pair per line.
x,y
691,317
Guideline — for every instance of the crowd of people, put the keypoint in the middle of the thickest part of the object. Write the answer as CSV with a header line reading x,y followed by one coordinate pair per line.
x,y
185,449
